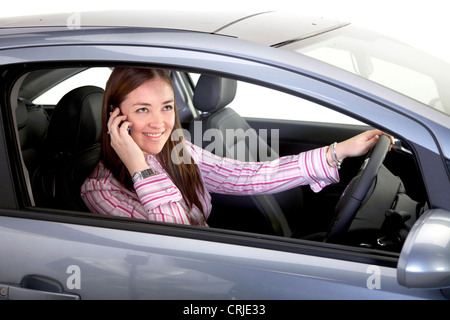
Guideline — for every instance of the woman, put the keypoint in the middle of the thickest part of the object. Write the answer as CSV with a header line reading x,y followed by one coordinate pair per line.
x,y
138,177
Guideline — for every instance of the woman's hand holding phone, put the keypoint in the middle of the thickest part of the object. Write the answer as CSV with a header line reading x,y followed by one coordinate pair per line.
x,y
123,143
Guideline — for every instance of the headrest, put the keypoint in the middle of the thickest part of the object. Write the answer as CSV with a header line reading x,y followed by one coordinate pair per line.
x,y
213,93
76,121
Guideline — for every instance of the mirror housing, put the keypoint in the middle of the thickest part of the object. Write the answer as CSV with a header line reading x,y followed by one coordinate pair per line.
x,y
425,257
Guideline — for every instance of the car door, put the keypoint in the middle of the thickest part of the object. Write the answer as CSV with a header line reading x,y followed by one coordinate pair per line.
x,y
51,253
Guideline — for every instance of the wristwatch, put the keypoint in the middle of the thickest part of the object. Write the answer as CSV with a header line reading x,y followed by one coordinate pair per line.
x,y
140,175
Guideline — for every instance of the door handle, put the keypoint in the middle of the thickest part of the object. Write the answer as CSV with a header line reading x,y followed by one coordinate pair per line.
x,y
34,287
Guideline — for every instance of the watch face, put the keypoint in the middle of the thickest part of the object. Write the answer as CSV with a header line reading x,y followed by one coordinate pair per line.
x,y
136,175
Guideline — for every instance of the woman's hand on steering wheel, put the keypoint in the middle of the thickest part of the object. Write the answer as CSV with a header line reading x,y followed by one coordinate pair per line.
x,y
360,144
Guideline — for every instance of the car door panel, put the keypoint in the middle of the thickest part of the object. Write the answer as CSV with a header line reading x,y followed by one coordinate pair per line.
x,y
104,263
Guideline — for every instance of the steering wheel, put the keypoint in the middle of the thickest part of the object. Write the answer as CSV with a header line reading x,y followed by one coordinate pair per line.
x,y
358,188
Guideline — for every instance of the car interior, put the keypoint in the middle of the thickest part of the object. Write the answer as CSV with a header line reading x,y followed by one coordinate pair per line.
x,y
60,146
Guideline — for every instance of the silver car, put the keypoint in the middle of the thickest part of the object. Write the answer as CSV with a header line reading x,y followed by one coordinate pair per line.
x,y
382,232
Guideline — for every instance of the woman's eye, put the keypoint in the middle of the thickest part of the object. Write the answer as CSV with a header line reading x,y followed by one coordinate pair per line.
x,y
168,108
142,110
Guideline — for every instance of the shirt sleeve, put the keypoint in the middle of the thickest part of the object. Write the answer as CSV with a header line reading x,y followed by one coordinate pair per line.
x,y
229,176
156,197
156,193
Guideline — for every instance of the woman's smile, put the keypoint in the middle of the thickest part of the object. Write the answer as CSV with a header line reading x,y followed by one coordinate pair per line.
x,y
154,136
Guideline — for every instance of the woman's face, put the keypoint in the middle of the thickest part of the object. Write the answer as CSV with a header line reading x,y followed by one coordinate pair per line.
x,y
151,110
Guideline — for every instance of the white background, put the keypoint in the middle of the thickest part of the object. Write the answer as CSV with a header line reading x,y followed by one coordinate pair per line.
x,y
424,24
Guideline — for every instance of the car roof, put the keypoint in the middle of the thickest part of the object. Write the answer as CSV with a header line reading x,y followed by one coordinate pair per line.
x,y
246,25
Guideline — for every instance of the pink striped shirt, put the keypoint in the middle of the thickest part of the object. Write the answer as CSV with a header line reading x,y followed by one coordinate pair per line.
x,y
157,198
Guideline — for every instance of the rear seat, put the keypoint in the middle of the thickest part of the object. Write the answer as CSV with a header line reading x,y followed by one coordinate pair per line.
x,y
32,123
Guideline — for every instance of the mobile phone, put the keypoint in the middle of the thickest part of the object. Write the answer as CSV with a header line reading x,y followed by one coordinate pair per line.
x,y
120,124
128,128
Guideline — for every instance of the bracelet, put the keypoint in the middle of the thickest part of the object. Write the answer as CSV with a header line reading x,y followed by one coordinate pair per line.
x,y
334,155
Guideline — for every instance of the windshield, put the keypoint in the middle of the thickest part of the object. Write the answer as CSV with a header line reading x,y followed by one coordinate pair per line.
x,y
382,60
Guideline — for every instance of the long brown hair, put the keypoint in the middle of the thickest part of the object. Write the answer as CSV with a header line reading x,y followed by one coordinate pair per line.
x,y
184,174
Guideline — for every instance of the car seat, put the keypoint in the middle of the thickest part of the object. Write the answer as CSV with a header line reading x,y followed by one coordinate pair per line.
x,y
72,149
32,123
211,96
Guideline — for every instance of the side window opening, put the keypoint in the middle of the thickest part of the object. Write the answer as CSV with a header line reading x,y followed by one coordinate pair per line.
x,y
309,223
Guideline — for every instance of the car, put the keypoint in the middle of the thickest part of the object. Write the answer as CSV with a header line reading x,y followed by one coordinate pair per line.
x,y
382,232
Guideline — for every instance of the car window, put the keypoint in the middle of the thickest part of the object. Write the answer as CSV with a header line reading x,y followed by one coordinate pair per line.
x,y
93,76
400,78
382,60
285,137
255,101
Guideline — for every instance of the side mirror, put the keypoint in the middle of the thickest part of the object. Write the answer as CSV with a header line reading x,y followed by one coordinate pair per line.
x,y
425,257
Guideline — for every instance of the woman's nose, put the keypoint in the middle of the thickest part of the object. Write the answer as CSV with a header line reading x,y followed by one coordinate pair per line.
x,y
156,120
